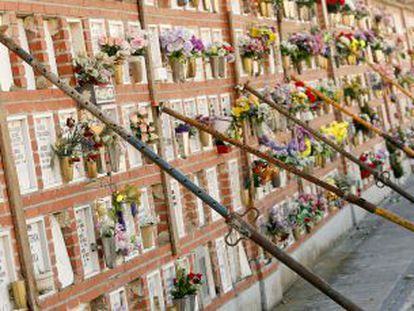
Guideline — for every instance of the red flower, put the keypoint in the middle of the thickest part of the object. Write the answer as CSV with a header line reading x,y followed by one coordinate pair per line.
x,y
311,96
299,84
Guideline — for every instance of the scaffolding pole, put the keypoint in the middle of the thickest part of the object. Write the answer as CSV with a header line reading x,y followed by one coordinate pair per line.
x,y
232,219
368,206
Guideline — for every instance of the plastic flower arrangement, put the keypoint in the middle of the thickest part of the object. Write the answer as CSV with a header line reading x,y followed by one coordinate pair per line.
x,y
336,130
267,35
184,128
138,42
222,49
373,160
247,108
308,210
69,141
306,3
354,89
287,154
277,225
300,47
334,6
198,47
96,70
348,44
361,10
186,284
177,44
115,47
143,128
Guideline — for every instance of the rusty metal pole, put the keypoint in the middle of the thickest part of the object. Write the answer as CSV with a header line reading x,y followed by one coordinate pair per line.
x,y
377,174
368,206
233,220
361,121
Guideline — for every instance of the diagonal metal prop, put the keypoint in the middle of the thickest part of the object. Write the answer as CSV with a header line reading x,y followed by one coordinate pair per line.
x,y
232,219
379,176
368,206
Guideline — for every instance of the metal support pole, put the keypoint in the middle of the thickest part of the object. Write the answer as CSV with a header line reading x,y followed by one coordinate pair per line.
x,y
233,220
379,176
368,206
361,121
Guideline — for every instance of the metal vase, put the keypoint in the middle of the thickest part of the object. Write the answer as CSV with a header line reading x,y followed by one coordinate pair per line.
x,y
109,249
191,68
214,63
222,66
178,68
91,169
248,65
180,304
136,69
119,74
115,159
66,168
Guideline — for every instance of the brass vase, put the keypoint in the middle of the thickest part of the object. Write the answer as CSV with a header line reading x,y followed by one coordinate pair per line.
x,y
66,168
19,294
248,65
147,235
214,64
119,74
91,169
191,68
136,69
222,66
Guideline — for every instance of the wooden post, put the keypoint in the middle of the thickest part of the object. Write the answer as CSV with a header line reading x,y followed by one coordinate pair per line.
x,y
17,211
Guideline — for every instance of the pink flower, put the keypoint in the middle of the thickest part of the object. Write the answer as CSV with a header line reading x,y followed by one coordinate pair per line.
x,y
102,40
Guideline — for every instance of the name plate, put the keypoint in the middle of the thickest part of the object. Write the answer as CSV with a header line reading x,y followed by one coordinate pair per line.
x,y
103,94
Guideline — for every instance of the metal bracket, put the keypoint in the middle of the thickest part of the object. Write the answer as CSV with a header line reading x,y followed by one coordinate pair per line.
x,y
235,225
384,175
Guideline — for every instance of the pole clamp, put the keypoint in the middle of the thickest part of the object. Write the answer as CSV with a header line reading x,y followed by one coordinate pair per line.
x,y
234,221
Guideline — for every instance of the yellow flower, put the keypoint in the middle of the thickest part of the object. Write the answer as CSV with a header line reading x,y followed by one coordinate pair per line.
x,y
255,32
120,198
339,130
236,111
307,152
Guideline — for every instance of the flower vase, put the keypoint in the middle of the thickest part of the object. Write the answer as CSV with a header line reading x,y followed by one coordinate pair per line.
x,y
184,143
378,56
178,68
276,180
101,162
206,4
180,304
147,235
378,93
109,250
222,66
248,65
352,60
91,169
205,139
214,64
19,294
270,11
66,168
302,13
263,9
191,302
299,67
297,233
362,23
322,62
136,69
195,3
346,20
191,68
351,20
119,74
115,159
286,62
332,18
245,196
348,100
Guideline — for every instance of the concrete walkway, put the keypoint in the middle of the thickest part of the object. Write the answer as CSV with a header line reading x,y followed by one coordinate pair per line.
x,y
373,265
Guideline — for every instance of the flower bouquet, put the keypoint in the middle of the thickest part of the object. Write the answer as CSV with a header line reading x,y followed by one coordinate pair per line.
x,y
185,289
119,50
178,47
143,128
196,52
68,147
350,47
138,42
361,14
300,47
95,70
218,54
115,148
334,8
348,14
183,132
93,150
247,109
336,130
306,9
354,91
277,227
256,46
